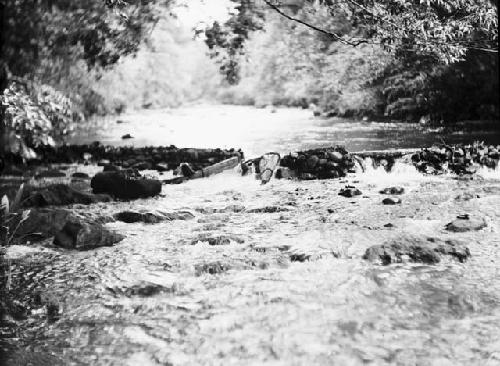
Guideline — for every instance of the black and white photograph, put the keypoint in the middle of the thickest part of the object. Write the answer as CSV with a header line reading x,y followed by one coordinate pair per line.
x,y
249,182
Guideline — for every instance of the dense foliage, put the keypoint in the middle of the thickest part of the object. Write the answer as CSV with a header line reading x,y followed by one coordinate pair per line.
x,y
406,59
40,114
47,42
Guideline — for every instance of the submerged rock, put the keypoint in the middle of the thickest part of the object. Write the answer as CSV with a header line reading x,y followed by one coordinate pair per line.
x,y
211,268
393,190
152,217
122,185
465,223
218,240
421,250
142,289
350,192
268,209
82,235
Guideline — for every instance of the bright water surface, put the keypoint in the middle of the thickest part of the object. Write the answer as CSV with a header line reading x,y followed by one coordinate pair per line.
x,y
257,131
264,309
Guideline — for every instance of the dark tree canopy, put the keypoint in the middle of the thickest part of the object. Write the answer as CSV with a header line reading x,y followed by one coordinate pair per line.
x,y
96,31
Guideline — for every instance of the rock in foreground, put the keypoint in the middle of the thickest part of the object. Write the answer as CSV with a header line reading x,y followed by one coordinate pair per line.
x,y
72,230
59,195
419,250
82,235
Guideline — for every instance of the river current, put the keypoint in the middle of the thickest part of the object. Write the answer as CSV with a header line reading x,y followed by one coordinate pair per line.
x,y
290,287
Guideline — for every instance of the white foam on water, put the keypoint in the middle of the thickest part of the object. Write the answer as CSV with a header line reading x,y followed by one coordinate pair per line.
x,y
489,173
20,251
401,173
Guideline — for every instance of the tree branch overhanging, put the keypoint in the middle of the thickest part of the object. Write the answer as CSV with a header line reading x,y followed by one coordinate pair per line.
x,y
311,26
359,41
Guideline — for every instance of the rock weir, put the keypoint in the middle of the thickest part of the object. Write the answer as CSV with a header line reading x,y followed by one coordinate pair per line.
x,y
336,162
459,159
159,158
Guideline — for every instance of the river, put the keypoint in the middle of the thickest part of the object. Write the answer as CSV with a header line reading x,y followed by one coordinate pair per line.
x,y
257,131
152,299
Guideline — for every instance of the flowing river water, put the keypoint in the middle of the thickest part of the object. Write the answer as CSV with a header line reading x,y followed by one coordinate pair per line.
x,y
162,297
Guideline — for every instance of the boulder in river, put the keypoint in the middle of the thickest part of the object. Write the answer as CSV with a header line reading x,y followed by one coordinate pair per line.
x,y
465,223
43,223
82,235
417,249
122,185
59,195
391,201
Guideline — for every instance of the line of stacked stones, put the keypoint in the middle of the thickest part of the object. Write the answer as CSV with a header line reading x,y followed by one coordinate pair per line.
x,y
334,162
459,159
160,158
